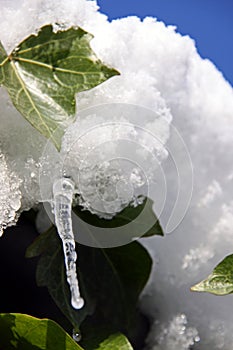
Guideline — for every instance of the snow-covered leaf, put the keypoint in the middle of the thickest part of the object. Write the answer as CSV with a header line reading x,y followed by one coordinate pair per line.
x,y
18,331
45,71
126,216
220,281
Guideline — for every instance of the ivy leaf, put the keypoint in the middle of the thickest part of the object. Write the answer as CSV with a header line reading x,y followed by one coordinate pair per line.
x,y
126,216
220,281
45,71
51,273
115,342
116,278
23,332
111,281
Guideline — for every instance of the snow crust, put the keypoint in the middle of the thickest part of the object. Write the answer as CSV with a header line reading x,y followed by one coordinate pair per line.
x,y
10,195
175,335
161,71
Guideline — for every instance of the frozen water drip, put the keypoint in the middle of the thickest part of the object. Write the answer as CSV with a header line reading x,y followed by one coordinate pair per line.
x,y
63,190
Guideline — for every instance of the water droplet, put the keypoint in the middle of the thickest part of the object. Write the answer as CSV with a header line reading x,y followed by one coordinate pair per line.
x,y
76,335
77,303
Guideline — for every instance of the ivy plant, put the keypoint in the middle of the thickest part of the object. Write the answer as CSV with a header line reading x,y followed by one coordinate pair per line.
x,y
18,331
42,75
220,281
45,71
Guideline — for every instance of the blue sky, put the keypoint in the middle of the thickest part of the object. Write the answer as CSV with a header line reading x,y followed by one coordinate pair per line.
x,y
209,22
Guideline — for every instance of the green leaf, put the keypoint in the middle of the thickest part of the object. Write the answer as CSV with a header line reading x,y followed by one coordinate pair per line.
x,y
51,274
116,278
220,282
115,342
23,332
45,71
3,57
111,280
100,338
126,216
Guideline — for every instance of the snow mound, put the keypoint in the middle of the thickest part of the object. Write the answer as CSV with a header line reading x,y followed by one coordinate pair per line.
x,y
161,72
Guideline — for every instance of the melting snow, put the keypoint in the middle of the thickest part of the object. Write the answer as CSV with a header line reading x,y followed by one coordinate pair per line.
x,y
161,71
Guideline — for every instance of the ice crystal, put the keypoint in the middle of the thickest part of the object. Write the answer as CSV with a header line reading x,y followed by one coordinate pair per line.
x,y
176,335
10,195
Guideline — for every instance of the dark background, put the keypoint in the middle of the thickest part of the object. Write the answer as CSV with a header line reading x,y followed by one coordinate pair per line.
x,y
18,290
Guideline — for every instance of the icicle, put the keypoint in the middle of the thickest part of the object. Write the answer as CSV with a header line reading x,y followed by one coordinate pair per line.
x,y
63,190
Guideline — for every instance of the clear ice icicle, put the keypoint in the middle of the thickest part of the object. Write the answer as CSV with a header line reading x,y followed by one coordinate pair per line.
x,y
63,190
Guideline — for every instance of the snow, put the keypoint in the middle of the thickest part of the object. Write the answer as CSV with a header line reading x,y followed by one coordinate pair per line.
x,y
213,192
102,154
175,335
125,133
10,195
